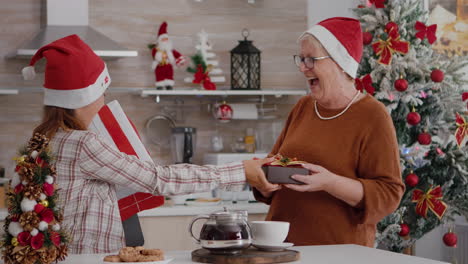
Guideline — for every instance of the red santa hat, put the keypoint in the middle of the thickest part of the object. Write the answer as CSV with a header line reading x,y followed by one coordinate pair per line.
x,y
162,33
342,39
74,75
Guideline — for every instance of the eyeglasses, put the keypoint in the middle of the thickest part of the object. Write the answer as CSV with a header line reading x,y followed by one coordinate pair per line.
x,y
308,61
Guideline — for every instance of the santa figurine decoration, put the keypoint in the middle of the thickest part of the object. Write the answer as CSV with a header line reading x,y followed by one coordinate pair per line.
x,y
164,58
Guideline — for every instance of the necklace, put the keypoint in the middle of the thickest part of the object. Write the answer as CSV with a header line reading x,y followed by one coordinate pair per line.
x,y
340,113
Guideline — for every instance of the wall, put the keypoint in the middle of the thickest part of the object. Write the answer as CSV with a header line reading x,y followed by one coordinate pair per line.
x,y
320,10
274,26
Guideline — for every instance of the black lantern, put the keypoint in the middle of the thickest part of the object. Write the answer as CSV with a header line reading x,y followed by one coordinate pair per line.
x,y
245,65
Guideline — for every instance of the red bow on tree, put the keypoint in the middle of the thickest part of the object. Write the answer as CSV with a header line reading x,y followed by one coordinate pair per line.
x,y
365,84
378,3
202,77
432,200
426,31
462,129
385,48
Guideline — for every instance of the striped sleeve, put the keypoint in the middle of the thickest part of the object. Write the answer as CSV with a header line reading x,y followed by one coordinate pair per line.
x,y
99,160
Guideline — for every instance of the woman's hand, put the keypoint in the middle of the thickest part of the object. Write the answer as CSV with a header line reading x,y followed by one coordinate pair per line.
x,y
319,179
256,177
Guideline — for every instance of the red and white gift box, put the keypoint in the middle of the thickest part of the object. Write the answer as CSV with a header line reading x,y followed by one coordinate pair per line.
x,y
113,125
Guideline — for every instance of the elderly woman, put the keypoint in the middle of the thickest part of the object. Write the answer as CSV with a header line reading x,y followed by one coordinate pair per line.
x,y
347,138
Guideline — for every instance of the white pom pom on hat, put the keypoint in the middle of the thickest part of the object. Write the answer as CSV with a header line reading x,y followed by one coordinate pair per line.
x,y
28,73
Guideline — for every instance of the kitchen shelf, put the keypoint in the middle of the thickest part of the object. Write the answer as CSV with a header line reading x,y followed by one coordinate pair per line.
x,y
276,93
8,91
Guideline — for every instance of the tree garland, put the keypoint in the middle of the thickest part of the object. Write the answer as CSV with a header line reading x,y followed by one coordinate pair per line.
x,y
33,231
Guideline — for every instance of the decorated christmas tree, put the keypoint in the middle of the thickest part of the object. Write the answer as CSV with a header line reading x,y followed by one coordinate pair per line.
x,y
33,231
205,65
423,92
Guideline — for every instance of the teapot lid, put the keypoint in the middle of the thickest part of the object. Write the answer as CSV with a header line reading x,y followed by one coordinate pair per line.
x,y
226,215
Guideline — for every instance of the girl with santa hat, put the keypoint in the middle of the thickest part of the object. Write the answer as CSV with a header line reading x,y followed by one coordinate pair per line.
x,y
89,169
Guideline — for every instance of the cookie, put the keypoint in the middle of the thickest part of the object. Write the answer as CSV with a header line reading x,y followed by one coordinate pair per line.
x,y
152,252
148,258
112,258
139,248
129,254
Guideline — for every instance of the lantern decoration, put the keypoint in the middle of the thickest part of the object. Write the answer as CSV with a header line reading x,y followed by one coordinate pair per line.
x,y
245,65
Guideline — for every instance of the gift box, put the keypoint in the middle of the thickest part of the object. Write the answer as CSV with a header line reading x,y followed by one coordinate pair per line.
x,y
281,170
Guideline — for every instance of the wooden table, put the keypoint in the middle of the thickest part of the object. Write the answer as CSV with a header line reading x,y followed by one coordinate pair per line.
x,y
334,254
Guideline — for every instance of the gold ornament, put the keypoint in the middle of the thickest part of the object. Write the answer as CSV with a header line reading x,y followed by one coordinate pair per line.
x,y
45,203
14,241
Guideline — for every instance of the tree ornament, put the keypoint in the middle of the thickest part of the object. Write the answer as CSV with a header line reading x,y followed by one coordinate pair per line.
x,y
450,239
426,31
437,76
29,221
34,232
461,133
378,3
47,215
38,208
412,179
38,142
48,189
401,85
385,49
424,138
19,188
14,241
43,226
45,203
223,112
27,205
413,118
55,238
37,241
429,200
367,38
24,238
56,227
49,179
34,154
365,84
14,228
404,230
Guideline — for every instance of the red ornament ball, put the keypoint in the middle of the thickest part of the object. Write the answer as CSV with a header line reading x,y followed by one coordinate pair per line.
x,y
223,113
437,76
450,239
367,38
413,118
404,230
391,26
401,85
424,138
412,180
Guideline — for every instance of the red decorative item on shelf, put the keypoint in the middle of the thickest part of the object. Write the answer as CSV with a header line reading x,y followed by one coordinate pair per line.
x,y
367,38
412,180
424,138
404,231
437,76
401,85
450,239
223,112
413,118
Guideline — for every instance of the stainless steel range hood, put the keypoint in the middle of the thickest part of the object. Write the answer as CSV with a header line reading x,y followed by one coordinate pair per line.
x,y
66,17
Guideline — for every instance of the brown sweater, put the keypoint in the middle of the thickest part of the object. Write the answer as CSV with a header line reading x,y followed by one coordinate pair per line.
x,y
360,144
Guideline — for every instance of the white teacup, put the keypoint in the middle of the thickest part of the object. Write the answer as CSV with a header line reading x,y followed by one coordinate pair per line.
x,y
269,232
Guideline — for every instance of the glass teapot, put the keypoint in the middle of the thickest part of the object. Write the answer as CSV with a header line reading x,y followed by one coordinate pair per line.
x,y
224,232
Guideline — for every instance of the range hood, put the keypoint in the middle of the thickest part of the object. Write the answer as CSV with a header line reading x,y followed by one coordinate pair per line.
x,y
66,17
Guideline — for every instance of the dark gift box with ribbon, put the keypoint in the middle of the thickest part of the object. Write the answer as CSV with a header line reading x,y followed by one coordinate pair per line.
x,y
281,170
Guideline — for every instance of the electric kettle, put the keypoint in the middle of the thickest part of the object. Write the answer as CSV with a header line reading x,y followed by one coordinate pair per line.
x,y
224,232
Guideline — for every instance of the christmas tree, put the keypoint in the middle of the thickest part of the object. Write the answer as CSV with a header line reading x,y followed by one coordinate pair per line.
x,y
205,63
423,92
33,232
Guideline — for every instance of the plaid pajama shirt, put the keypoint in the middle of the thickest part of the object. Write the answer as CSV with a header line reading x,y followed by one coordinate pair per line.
x,y
88,170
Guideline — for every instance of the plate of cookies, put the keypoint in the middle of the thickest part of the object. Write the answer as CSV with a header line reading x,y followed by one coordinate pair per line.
x,y
138,255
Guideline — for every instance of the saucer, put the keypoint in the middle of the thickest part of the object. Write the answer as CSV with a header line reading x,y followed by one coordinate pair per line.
x,y
272,247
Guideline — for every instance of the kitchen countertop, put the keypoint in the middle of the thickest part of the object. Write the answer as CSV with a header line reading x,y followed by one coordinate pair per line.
x,y
332,254
190,210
